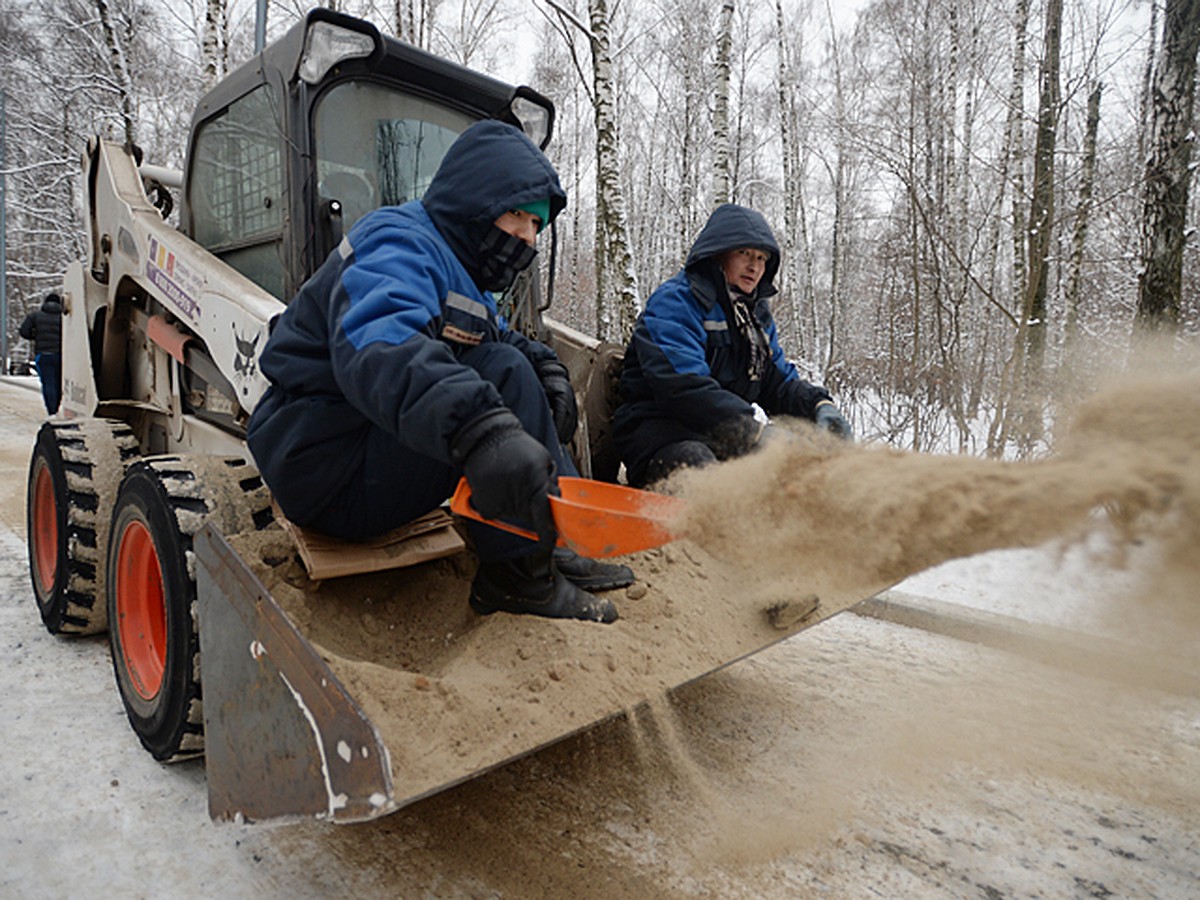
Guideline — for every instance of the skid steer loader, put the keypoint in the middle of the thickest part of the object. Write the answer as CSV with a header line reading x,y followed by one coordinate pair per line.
x,y
142,488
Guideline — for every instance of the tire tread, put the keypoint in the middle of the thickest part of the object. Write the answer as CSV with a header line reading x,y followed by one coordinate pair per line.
x,y
85,447
229,493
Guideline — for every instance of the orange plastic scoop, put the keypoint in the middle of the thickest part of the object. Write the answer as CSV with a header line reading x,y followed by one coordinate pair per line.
x,y
595,518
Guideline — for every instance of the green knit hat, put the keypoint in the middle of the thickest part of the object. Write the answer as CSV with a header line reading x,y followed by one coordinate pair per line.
x,y
539,208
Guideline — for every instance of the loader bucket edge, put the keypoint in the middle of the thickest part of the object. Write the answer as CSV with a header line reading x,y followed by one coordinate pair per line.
x,y
283,738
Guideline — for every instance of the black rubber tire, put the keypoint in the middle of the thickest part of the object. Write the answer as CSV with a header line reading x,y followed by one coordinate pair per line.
x,y
163,502
73,476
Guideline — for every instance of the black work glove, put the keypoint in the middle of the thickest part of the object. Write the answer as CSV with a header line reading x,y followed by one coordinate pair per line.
x,y
556,382
830,418
736,436
510,473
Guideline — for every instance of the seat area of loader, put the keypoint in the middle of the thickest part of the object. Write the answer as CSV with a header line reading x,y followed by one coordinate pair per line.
x,y
429,537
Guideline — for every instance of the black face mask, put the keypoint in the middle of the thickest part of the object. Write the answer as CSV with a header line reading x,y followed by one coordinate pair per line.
x,y
502,258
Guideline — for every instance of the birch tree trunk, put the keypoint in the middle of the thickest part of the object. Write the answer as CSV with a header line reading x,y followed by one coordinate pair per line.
x,y
1083,211
721,107
1023,403
413,21
214,46
120,71
951,386
1008,149
616,282
966,319
1016,148
802,291
1041,212
1013,158
948,206
689,156
838,175
1168,170
968,147
1145,102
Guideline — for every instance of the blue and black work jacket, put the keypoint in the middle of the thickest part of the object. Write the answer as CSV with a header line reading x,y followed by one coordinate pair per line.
x,y
373,339
688,372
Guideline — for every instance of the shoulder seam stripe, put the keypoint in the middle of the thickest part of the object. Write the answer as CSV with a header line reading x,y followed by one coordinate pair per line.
x,y
455,300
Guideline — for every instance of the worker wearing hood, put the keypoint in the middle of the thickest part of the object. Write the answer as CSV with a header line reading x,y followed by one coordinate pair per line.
x,y
392,376
704,368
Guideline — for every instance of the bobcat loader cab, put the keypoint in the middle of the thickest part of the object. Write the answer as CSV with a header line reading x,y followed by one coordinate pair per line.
x,y
325,125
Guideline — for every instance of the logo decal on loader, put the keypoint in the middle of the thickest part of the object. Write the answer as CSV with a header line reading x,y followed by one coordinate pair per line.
x,y
177,280
244,360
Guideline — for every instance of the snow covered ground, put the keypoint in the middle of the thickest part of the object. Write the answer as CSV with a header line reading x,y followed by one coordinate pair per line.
x,y
859,758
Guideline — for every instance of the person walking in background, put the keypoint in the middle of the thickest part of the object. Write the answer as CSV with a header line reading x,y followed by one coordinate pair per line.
x,y
43,326
704,369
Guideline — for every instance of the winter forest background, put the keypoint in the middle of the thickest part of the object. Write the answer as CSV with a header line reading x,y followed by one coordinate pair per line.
x,y
980,203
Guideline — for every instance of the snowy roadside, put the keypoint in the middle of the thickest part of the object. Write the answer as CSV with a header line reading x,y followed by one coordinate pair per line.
x,y
1062,587
858,758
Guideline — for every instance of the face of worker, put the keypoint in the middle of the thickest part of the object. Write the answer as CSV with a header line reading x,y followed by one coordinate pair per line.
x,y
744,268
520,224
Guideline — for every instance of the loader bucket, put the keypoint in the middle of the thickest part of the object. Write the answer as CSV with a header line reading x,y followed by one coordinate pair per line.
x,y
350,698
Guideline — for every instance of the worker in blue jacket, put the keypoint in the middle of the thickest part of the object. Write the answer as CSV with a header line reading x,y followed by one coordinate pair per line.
x,y
392,376
704,370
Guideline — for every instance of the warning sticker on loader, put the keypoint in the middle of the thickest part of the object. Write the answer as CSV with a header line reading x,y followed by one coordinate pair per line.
x,y
176,279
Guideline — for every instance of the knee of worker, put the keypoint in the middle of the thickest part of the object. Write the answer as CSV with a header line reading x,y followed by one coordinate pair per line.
x,y
677,455
507,368
513,375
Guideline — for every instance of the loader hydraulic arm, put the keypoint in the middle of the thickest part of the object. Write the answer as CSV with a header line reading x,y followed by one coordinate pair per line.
x,y
136,256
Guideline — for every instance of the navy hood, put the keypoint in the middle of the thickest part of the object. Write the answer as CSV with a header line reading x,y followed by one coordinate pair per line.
x,y
729,227
491,168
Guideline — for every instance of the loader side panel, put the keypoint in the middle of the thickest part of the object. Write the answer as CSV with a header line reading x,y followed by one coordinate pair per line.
x,y
169,328
82,332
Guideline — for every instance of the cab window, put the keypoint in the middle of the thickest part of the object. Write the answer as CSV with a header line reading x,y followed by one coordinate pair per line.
x,y
236,193
376,146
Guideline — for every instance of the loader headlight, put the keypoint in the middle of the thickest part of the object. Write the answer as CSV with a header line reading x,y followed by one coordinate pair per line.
x,y
535,113
327,44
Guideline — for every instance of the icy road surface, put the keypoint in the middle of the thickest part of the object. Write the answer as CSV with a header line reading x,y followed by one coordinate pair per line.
x,y
859,758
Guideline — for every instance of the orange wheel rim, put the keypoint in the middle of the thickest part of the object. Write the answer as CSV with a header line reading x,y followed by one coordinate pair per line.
x,y
141,610
45,530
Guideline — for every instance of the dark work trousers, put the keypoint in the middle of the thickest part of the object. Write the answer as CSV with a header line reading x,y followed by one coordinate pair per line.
x,y
677,455
49,369
397,484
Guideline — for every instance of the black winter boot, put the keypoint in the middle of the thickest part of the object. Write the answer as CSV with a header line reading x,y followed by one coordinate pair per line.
x,y
590,574
533,585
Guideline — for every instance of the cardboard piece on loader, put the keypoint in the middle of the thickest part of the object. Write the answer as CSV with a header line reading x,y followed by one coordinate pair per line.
x,y
431,536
